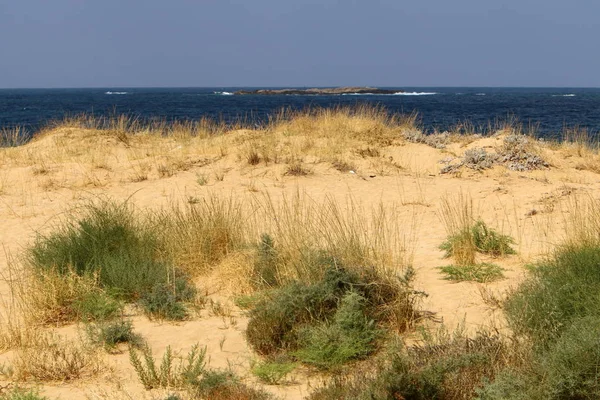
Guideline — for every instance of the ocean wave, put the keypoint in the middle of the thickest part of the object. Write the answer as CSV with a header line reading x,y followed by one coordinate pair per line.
x,y
414,93
116,92
224,93
390,94
479,94
563,95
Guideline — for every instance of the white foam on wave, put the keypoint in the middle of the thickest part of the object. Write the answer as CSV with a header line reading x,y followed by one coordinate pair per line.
x,y
479,94
116,92
563,95
414,93
224,93
391,94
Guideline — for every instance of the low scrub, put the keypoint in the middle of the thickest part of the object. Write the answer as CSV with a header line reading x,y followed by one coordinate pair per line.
x,y
51,358
173,372
273,372
167,301
310,321
108,255
22,394
480,238
109,241
556,311
482,272
225,385
446,367
350,335
189,373
559,291
111,334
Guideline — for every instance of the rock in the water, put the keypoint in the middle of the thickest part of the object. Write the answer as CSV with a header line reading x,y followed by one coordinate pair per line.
x,y
320,91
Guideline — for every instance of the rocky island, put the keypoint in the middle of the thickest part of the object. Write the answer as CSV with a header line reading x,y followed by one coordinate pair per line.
x,y
320,91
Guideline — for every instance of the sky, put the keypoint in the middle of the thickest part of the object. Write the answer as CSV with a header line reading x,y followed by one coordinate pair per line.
x,y
225,43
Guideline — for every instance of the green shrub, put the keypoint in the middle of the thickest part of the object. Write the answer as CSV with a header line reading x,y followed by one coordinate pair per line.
x,y
510,385
265,266
273,372
111,334
166,301
109,240
350,335
444,368
333,321
275,321
187,372
488,241
225,385
571,365
97,305
560,290
484,239
482,272
22,394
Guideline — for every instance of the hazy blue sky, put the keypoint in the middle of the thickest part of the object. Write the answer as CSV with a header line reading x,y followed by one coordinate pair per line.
x,y
113,43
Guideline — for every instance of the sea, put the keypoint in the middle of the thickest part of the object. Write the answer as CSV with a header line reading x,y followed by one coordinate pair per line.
x,y
546,112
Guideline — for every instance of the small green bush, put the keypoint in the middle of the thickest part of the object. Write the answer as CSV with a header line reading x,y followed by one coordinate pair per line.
x,y
168,375
332,321
22,394
350,335
273,372
97,305
488,241
485,240
482,272
109,240
166,301
275,321
452,368
111,334
560,290
225,385
511,385
265,266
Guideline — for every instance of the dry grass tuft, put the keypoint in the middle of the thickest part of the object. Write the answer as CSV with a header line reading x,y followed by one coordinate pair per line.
x,y
52,358
457,215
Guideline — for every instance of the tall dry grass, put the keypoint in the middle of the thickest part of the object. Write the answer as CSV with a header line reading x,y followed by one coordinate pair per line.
x,y
222,234
456,214
581,220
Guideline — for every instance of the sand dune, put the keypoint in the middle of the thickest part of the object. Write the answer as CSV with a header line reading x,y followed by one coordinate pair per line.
x,y
360,161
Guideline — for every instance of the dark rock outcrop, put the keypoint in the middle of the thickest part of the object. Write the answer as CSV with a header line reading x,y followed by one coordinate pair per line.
x,y
320,91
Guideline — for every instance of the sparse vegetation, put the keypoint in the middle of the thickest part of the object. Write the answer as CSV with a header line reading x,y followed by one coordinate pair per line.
x,y
22,394
447,366
166,301
483,238
273,372
297,169
111,334
325,287
225,385
482,272
49,357
123,254
330,322
173,371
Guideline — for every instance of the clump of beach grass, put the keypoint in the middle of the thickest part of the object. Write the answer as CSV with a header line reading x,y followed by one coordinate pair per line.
x,y
467,237
106,255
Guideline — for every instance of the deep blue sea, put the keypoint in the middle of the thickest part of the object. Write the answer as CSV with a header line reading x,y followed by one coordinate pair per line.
x,y
547,109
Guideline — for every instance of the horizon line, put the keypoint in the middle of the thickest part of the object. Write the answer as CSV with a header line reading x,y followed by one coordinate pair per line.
x,y
294,87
